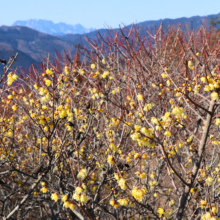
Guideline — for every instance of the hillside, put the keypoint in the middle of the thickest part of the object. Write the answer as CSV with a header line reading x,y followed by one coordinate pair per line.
x,y
33,45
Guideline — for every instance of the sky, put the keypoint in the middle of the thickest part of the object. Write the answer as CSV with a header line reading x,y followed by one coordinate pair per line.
x,y
102,13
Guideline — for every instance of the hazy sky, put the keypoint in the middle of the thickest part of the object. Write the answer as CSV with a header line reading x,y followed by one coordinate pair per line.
x,y
101,13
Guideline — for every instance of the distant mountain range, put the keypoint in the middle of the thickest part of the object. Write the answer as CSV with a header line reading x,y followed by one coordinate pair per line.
x,y
33,45
49,27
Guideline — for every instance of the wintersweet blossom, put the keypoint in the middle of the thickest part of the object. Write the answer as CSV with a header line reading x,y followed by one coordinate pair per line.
x,y
140,97
82,174
167,133
148,106
83,198
209,181
190,64
64,198
110,159
214,96
47,82
66,204
122,184
138,194
71,205
66,70
54,197
92,66
49,71
160,211
123,202
44,189
14,107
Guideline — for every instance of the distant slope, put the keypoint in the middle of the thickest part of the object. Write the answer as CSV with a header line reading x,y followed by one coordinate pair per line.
x,y
49,27
192,22
31,45
23,59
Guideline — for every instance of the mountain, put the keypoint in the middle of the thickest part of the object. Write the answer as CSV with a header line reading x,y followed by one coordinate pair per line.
x,y
192,22
33,45
49,27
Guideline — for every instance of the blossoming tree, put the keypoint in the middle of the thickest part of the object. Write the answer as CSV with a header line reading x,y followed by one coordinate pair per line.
x,y
128,129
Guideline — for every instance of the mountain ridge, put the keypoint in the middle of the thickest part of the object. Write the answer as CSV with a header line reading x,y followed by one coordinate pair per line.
x,y
33,45
49,27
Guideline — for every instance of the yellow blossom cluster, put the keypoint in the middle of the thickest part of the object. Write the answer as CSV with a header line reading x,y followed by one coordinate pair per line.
x,y
138,194
11,78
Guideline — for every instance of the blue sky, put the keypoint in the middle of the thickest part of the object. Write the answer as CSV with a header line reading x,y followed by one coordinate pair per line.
x,y
101,13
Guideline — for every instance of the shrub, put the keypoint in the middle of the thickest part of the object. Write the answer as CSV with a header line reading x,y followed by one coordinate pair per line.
x,y
126,129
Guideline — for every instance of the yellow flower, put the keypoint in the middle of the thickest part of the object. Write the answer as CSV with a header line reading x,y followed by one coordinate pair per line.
x,y
10,97
112,202
71,205
93,66
135,136
214,210
14,77
169,82
154,120
140,97
66,69
190,64
214,95
171,203
138,194
54,197
209,181
64,198
203,203
197,54
44,189
142,175
207,88
123,202
207,216
82,174
110,159
117,177
164,75
178,111
78,190
66,204
122,184
47,82
76,196
81,71
167,133
9,82
112,147
160,211
43,184
83,198
62,114
36,193
203,79
49,71
148,106
14,107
